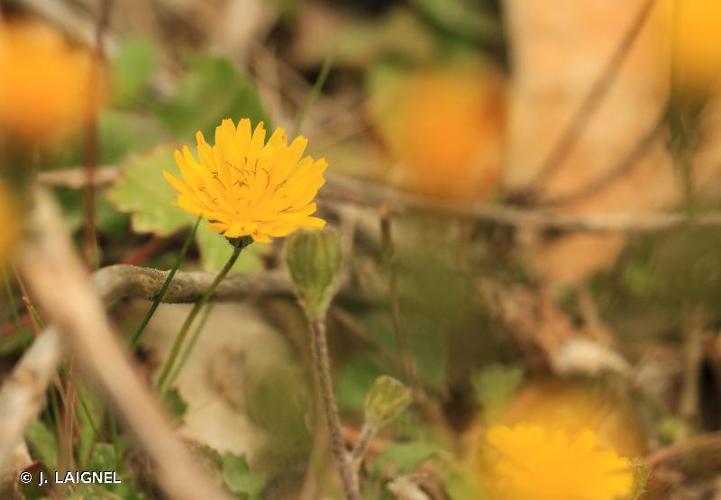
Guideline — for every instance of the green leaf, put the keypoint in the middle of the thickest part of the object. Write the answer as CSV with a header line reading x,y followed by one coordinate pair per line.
x,y
103,457
43,444
353,382
175,403
494,387
143,191
123,133
360,42
132,70
239,479
462,483
386,400
215,252
468,19
406,457
212,90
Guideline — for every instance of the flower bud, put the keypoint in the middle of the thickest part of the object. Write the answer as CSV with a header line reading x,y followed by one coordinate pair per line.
x,y
385,401
314,260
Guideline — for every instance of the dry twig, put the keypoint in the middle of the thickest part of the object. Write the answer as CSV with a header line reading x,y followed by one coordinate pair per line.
x,y
62,287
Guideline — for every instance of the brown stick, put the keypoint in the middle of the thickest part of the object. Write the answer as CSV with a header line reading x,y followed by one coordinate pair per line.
x,y
92,147
63,288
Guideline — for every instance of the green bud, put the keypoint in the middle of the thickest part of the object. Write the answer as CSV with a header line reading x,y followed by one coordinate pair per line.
x,y
314,260
385,401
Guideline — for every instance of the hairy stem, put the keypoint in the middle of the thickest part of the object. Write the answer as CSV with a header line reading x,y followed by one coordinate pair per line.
x,y
321,363
238,246
166,284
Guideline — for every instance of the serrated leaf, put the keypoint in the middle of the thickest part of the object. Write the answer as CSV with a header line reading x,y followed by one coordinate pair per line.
x,y
215,252
142,191
211,90
239,479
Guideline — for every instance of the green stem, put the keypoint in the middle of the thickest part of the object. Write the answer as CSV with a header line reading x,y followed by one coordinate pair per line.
x,y
314,93
163,290
238,246
11,300
191,345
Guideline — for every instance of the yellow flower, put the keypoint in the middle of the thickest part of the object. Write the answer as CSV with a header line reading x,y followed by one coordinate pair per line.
x,y
247,187
574,406
442,128
46,86
530,462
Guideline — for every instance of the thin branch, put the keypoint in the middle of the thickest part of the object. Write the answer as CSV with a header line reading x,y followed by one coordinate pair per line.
x,y
62,287
711,441
124,281
594,98
76,178
372,194
637,153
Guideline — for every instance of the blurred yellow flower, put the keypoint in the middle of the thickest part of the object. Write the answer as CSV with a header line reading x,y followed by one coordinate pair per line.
x,y
697,43
46,86
247,187
575,406
443,129
529,462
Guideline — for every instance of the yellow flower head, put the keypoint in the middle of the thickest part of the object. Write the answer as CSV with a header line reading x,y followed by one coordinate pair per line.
x,y
46,86
247,187
530,462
